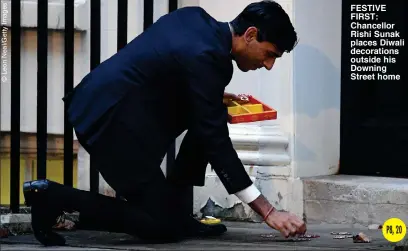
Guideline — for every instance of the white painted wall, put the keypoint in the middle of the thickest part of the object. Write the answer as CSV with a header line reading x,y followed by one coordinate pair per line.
x,y
316,87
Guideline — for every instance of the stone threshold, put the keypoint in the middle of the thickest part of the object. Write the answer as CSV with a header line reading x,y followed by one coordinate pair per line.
x,y
365,200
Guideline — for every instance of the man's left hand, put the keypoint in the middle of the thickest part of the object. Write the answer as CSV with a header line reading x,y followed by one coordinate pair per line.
x,y
241,99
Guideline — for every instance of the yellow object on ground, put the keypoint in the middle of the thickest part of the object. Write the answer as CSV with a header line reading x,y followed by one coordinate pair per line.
x,y
210,220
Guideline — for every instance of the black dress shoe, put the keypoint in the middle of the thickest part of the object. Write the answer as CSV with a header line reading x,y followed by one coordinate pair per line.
x,y
44,213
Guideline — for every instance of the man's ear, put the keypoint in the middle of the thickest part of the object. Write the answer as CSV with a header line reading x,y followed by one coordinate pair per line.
x,y
250,34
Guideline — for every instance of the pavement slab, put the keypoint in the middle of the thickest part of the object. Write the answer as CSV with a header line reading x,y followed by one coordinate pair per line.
x,y
240,236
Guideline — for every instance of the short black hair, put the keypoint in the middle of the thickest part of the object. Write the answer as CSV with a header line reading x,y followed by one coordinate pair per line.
x,y
272,22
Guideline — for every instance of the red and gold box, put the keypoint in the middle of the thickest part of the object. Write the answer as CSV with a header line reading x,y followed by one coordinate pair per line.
x,y
250,111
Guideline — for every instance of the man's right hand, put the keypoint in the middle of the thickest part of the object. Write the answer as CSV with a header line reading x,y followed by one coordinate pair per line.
x,y
286,223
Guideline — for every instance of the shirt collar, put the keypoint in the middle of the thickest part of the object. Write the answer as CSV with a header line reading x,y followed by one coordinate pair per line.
x,y
232,33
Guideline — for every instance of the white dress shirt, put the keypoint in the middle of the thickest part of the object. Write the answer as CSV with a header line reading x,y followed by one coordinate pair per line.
x,y
248,194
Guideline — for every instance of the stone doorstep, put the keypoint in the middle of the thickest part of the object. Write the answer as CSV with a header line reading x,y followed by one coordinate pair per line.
x,y
352,199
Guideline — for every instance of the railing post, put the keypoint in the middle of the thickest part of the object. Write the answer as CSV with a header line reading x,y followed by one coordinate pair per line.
x,y
68,87
15,106
42,44
147,13
95,61
173,5
122,23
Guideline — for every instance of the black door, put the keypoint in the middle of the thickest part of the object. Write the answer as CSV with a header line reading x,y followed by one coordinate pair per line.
x,y
374,112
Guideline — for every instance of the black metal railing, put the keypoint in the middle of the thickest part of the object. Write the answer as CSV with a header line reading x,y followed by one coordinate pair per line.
x,y
95,61
15,107
68,87
42,85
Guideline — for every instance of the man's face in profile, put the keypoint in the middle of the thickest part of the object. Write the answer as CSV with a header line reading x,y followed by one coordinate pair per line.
x,y
252,54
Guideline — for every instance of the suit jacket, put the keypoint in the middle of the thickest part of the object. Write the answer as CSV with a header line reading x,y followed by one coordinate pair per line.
x,y
175,73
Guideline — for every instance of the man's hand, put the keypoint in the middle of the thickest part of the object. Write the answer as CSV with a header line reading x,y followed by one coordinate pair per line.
x,y
286,223
241,99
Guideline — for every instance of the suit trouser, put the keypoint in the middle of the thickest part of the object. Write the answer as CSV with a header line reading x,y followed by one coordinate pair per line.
x,y
139,180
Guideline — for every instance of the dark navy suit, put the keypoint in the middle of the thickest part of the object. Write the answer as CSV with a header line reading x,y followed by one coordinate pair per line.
x,y
169,79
